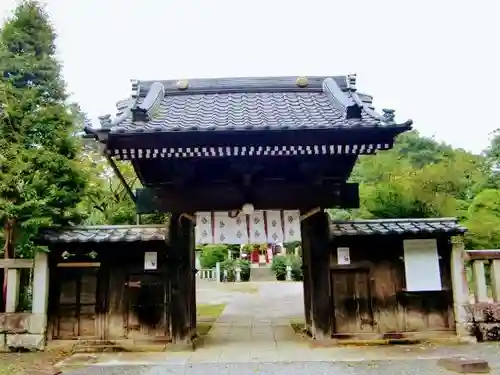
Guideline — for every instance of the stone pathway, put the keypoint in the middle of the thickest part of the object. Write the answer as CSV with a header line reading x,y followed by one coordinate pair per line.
x,y
256,326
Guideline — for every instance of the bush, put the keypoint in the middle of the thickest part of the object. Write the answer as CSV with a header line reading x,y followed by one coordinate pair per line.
x,y
245,270
297,273
211,254
279,267
290,247
229,266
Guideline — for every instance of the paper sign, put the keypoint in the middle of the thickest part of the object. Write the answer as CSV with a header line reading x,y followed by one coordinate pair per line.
x,y
343,256
150,260
422,269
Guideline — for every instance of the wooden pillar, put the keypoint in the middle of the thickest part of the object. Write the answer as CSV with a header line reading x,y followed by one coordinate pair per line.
x,y
315,241
192,283
479,281
306,284
460,287
182,286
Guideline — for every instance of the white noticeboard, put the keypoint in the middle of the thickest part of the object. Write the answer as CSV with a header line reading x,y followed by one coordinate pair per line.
x,y
422,265
343,255
150,260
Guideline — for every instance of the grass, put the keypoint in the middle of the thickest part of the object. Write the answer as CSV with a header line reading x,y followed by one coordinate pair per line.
x,y
298,326
26,363
207,314
209,311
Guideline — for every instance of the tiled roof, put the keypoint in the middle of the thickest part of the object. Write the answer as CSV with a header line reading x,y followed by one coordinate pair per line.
x,y
396,226
246,104
105,233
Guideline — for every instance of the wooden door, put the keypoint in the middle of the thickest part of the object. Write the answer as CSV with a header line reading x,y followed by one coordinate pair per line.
x,y
352,301
147,307
77,304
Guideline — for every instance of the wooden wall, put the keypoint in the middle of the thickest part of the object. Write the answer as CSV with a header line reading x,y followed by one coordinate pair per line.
x,y
368,296
111,297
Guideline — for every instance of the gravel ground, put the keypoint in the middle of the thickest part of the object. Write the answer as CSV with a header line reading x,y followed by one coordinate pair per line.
x,y
421,367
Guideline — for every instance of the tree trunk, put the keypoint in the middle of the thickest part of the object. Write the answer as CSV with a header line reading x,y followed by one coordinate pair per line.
x,y
7,252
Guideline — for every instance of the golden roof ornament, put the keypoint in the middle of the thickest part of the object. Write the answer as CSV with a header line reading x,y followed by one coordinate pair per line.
x,y
301,81
182,84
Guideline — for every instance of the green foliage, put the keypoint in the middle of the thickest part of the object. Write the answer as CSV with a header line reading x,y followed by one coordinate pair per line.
x,y
280,262
229,267
423,178
211,254
40,179
484,221
297,272
279,266
291,246
245,266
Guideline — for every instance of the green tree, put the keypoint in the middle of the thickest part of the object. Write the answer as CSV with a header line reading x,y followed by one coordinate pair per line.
x,y
40,180
484,221
418,178
492,154
211,254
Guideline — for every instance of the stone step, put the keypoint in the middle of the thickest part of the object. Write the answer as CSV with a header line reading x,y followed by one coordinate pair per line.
x,y
91,346
98,349
262,274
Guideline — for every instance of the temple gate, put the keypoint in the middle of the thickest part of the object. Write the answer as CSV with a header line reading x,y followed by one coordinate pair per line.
x,y
242,146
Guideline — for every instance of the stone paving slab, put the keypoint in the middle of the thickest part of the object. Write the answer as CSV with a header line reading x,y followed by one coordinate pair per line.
x,y
289,354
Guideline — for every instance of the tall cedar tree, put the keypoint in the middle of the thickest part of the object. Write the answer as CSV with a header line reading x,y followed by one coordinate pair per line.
x,y
40,179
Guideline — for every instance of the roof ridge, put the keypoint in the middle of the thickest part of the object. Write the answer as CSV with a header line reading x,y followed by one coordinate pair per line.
x,y
238,84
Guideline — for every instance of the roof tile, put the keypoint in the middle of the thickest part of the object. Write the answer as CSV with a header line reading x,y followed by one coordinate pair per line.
x,y
245,111
243,104
102,234
396,226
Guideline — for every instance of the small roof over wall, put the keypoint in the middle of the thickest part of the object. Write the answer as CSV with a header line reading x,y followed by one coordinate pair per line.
x,y
435,226
104,234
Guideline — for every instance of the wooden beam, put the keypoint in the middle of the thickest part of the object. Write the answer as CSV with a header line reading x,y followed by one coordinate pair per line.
x,y
265,196
16,263
79,265
483,254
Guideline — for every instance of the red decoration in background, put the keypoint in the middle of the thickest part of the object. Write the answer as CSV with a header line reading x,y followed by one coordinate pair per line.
x,y
255,255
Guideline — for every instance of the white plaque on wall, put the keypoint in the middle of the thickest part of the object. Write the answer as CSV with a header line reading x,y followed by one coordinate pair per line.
x,y
343,255
150,260
422,265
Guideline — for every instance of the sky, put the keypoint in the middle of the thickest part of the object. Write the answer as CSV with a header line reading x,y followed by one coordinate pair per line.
x,y
434,61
